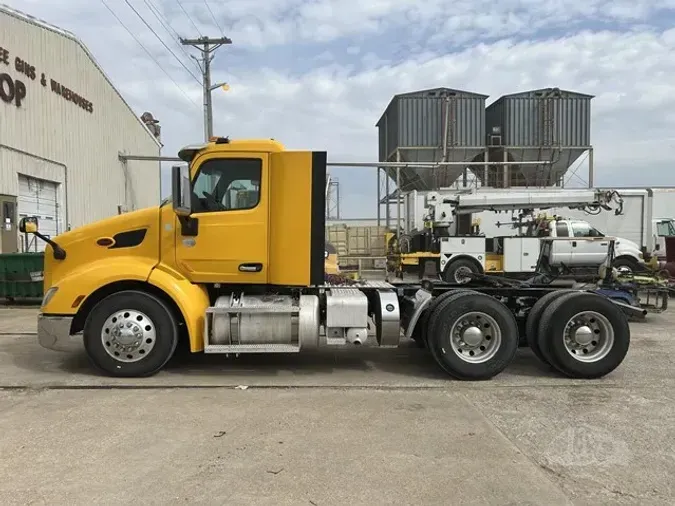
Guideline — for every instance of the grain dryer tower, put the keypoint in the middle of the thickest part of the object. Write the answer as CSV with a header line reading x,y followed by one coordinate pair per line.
x,y
550,125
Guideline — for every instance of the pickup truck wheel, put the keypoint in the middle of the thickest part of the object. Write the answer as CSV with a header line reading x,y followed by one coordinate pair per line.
x,y
532,323
472,336
627,264
130,334
588,335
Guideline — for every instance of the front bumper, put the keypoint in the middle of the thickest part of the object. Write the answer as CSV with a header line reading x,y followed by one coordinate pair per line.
x,y
54,333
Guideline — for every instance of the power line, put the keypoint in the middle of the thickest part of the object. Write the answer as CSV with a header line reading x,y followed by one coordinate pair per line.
x,y
166,24
163,43
214,18
188,16
148,52
158,13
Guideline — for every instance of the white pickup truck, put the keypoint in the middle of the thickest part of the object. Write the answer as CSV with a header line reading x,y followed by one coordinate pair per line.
x,y
627,254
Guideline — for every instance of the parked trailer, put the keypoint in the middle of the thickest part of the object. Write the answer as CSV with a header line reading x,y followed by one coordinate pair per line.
x,y
235,277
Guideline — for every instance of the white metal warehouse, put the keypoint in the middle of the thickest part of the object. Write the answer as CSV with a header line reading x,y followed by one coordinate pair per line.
x,y
62,127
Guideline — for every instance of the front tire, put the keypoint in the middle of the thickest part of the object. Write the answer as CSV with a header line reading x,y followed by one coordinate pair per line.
x,y
472,336
627,264
130,334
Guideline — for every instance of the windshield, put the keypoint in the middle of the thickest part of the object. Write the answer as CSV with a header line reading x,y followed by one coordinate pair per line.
x,y
665,228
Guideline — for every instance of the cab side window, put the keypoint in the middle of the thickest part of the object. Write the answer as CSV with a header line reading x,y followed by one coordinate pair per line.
x,y
583,229
227,184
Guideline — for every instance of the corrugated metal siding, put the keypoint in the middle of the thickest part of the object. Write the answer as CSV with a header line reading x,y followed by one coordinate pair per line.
x,y
417,120
522,119
422,121
87,144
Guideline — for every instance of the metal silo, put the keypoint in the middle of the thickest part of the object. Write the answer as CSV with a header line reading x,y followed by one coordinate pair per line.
x,y
435,125
550,125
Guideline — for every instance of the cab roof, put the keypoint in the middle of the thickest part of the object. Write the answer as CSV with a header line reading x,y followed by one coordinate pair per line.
x,y
221,144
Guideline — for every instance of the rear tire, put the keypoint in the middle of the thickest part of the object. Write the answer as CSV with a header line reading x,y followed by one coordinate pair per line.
x,y
533,319
130,334
459,270
472,336
586,334
422,326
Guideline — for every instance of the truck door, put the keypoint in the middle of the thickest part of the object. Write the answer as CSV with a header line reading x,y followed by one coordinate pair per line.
x,y
561,251
230,203
587,252
664,228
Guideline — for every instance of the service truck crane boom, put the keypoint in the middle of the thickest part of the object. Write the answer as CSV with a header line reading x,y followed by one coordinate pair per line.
x,y
234,261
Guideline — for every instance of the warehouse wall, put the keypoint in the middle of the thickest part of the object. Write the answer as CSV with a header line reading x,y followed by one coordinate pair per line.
x,y
81,135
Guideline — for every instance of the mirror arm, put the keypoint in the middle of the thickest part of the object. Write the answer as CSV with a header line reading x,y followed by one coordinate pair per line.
x,y
59,252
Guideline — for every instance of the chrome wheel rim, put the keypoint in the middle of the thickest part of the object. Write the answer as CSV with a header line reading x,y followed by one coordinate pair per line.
x,y
588,336
128,335
475,337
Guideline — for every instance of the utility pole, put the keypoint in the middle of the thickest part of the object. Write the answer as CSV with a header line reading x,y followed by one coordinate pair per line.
x,y
206,47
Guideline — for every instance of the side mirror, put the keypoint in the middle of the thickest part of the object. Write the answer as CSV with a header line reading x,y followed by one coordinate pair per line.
x,y
28,225
180,190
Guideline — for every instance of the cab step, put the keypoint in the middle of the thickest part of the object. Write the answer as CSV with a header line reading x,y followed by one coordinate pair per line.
x,y
251,348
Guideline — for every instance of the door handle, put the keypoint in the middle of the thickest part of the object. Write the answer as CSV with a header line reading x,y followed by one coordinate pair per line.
x,y
252,267
574,244
604,244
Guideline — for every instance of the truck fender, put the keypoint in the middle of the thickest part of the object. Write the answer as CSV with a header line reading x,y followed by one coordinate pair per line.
x,y
192,301
76,288
422,301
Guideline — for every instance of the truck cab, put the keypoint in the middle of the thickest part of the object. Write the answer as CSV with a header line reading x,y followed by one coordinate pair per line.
x,y
662,228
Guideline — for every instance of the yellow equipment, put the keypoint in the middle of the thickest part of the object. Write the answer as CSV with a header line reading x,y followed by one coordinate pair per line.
x,y
236,261
332,266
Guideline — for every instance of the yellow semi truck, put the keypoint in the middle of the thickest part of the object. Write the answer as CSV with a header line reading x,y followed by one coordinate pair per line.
x,y
234,262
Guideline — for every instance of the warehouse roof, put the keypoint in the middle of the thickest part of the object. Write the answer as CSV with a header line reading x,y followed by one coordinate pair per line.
x,y
65,33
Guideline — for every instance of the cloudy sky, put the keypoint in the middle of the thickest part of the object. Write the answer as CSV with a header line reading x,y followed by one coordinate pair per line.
x,y
317,74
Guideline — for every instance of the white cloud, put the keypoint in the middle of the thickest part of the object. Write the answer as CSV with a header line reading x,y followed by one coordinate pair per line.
x,y
318,75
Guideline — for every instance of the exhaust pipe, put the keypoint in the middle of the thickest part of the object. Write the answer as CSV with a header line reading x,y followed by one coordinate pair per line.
x,y
629,310
357,336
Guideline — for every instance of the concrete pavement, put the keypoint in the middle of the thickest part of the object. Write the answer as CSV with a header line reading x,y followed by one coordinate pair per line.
x,y
362,426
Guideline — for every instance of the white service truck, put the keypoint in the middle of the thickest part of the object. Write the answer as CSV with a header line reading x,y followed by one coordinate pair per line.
x,y
460,253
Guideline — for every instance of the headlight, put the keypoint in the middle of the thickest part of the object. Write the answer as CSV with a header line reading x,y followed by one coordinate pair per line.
x,y
325,254
48,296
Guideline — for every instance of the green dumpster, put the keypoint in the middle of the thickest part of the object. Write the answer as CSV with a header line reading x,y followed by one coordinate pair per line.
x,y
21,275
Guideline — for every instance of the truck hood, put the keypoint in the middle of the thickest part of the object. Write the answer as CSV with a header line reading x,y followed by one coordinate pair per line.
x,y
135,233
626,244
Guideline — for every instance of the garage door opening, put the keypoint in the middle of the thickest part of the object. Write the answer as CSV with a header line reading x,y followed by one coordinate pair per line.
x,y
38,197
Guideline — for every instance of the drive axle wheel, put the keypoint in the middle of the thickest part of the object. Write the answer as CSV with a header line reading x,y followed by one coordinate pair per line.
x,y
586,335
533,319
472,336
129,334
422,326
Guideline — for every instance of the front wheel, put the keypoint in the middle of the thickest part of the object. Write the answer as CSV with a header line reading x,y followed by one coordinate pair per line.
x,y
130,334
627,265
